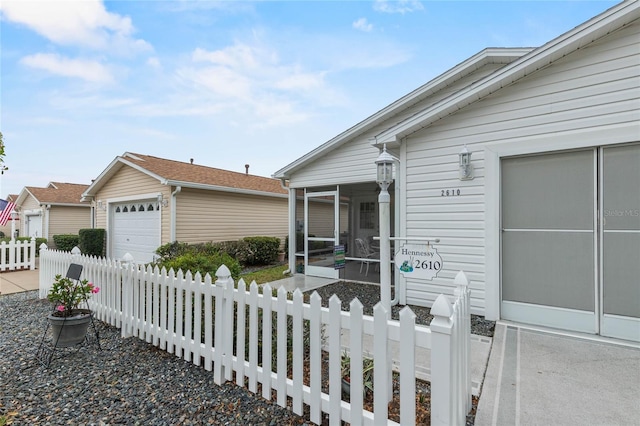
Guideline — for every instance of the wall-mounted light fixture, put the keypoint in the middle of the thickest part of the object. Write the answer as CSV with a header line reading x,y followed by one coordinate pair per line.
x,y
102,205
465,166
162,201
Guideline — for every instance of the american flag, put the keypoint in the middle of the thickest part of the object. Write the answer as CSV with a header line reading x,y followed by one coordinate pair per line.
x,y
6,207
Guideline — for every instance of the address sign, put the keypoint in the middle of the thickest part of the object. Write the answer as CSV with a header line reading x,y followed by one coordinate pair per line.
x,y
420,261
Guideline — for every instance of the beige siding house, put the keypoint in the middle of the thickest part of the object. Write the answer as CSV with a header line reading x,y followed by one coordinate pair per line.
x,y
144,201
547,227
54,210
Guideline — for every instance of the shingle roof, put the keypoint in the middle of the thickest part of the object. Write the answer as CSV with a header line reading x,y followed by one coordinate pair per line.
x,y
176,171
59,193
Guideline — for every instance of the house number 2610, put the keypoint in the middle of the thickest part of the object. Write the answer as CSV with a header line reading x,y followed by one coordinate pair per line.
x,y
449,192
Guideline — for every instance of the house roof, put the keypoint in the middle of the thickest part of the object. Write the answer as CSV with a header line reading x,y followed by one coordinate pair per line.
x,y
56,193
189,175
485,57
529,61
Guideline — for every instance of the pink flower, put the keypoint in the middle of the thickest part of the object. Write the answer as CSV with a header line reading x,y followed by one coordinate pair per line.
x,y
60,308
94,290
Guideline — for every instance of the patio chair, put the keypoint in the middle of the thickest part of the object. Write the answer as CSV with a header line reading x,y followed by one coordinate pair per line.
x,y
366,255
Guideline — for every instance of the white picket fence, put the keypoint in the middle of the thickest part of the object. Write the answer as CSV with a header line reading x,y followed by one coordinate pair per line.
x,y
15,255
230,331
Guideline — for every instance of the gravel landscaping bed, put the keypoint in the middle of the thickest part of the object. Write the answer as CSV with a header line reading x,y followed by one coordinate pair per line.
x,y
131,382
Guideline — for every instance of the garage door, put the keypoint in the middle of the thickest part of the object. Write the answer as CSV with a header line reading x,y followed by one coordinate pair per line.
x,y
135,229
571,240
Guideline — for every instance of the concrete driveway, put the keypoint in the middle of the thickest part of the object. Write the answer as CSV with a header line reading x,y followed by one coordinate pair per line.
x,y
536,377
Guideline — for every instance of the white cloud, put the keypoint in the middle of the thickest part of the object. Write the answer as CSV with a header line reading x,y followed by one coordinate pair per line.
x,y
362,25
154,62
87,70
397,6
253,81
75,23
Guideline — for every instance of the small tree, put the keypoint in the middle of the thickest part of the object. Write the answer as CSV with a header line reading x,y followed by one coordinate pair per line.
x,y
2,166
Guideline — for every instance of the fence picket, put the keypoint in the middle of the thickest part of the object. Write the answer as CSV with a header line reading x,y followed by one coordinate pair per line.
x,y
315,358
335,383
355,354
267,352
298,352
382,393
253,338
241,328
407,363
281,349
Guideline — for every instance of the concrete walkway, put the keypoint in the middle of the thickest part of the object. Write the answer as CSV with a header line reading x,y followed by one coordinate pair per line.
x,y
19,281
536,377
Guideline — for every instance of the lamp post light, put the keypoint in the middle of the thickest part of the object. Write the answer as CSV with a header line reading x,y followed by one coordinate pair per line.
x,y
384,164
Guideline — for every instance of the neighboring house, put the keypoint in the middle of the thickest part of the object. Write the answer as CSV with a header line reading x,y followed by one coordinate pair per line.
x,y
548,228
6,229
144,202
54,210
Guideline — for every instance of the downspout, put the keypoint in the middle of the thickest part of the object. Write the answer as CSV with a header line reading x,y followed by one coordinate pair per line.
x,y
289,255
174,211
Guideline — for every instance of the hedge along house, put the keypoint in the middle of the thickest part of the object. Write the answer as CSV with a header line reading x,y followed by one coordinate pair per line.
x,y
547,225
144,201
53,210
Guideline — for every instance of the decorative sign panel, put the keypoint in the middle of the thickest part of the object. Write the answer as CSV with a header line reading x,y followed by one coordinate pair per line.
x,y
338,255
420,261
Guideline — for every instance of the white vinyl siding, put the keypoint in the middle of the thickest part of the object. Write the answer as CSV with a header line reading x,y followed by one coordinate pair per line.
x,y
595,87
129,183
225,216
354,161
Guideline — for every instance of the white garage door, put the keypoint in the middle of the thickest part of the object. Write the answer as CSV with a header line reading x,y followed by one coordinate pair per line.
x,y
135,229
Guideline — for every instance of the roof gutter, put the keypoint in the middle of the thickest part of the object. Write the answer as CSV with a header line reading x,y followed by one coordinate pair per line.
x,y
222,188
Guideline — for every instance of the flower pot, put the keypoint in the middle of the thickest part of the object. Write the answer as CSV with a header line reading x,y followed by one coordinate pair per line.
x,y
70,331
281,257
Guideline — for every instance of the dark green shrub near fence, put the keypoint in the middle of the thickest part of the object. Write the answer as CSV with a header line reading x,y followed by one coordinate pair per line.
x,y
65,242
92,241
203,263
264,250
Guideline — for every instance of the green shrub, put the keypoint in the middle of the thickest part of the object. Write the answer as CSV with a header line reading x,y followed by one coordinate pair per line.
x,y
203,263
92,241
264,250
171,250
239,250
65,242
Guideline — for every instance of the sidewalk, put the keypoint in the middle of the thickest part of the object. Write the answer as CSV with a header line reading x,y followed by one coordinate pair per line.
x,y
19,281
536,377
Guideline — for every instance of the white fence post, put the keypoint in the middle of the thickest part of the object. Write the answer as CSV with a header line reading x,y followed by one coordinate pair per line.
x,y
442,412
462,293
44,273
32,254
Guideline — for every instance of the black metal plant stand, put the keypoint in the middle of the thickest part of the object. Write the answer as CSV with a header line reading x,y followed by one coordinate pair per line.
x,y
49,345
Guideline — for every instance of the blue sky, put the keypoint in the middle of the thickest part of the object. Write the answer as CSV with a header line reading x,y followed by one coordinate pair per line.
x,y
227,83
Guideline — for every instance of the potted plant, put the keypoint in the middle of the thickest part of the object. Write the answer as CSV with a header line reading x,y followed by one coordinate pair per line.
x,y
69,323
